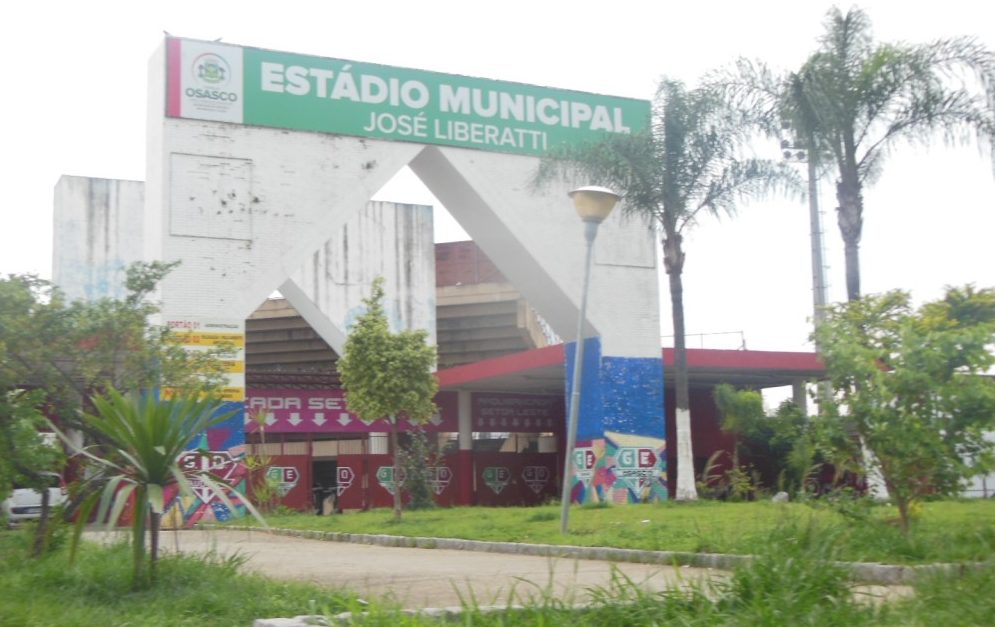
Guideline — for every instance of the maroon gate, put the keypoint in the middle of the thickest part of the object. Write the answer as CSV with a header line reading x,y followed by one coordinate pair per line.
x,y
515,478
367,481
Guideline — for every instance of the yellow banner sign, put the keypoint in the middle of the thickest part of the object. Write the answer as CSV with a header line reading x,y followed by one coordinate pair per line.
x,y
199,338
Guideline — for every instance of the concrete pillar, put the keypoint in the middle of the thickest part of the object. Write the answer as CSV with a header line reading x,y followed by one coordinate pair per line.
x,y
464,456
620,454
465,413
799,395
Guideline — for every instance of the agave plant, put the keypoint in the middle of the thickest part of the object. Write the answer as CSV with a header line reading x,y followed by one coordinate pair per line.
x,y
141,438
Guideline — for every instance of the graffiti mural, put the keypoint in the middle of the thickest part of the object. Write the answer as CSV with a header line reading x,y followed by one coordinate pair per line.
x,y
619,468
221,452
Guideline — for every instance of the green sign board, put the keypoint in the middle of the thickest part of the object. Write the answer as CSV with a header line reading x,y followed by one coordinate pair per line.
x,y
220,82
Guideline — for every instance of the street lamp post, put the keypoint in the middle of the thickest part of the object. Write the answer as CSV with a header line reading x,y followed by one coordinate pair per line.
x,y
593,204
794,151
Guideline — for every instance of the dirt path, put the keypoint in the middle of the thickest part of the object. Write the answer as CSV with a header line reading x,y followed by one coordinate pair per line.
x,y
422,577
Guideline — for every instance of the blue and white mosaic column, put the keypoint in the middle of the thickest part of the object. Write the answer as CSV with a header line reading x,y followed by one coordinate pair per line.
x,y
620,454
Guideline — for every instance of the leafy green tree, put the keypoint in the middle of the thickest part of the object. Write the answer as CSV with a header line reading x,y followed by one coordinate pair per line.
x,y
911,384
388,374
63,351
782,442
23,451
25,456
417,457
137,461
854,101
688,164
71,349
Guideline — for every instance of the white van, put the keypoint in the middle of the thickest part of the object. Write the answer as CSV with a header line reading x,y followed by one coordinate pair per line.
x,y
982,486
25,503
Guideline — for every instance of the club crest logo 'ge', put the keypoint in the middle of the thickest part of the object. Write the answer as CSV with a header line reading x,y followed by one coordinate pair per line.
x,y
536,477
285,478
496,478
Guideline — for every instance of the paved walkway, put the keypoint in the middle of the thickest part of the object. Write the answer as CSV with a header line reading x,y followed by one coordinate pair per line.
x,y
423,577
430,577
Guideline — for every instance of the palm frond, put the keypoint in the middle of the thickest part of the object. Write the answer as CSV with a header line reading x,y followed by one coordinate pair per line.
x,y
864,98
756,91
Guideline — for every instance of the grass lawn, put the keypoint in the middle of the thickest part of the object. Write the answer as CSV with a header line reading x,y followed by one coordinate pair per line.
x,y
946,531
790,583
96,590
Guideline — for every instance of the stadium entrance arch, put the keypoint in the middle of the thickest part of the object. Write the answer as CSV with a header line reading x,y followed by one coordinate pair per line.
x,y
260,170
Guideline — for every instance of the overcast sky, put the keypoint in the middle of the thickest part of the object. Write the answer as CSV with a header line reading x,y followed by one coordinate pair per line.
x,y
74,87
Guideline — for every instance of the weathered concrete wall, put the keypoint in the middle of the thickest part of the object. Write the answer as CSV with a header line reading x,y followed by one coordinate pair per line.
x,y
384,239
245,208
97,232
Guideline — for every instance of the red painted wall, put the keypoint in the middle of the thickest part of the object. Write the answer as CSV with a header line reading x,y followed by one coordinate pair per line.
x,y
298,496
462,263
515,478
362,490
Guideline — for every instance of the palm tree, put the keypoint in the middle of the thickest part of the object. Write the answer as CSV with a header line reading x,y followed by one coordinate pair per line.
x,y
142,439
854,100
686,164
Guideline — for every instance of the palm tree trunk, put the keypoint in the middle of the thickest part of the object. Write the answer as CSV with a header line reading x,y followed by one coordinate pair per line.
x,y
849,217
852,255
674,264
397,471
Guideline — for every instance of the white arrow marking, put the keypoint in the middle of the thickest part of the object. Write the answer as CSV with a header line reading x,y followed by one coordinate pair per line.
x,y
319,418
344,419
436,419
270,419
295,418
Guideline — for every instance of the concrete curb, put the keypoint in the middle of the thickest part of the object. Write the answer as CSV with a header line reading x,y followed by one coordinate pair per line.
x,y
862,572
442,614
